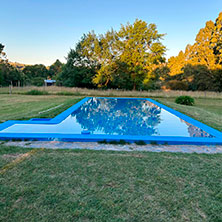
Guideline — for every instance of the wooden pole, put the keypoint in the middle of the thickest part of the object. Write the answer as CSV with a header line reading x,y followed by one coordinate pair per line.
x,y
10,89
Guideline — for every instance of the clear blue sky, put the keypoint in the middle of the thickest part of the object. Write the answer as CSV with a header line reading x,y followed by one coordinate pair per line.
x,y
40,31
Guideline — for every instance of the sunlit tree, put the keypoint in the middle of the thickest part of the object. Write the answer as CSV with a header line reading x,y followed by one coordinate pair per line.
x,y
136,47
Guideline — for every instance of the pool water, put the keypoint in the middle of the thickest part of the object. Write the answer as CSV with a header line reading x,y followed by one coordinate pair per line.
x,y
116,116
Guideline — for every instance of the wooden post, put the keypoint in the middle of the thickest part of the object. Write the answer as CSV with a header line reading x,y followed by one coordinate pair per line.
x,y
44,85
10,89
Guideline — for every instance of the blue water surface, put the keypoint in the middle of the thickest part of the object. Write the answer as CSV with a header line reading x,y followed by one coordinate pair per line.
x,y
116,116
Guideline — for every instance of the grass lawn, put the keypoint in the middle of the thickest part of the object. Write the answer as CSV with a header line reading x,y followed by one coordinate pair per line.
x,y
82,185
25,107
68,185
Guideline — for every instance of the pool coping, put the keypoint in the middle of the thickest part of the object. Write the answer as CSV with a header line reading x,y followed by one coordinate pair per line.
x,y
100,137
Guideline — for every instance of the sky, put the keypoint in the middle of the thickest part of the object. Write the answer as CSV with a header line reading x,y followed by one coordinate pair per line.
x,y
41,31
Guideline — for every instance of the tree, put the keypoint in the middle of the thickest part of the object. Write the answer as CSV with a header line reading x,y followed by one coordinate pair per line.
x,y
176,63
203,52
10,75
55,68
217,83
217,39
3,57
198,77
77,72
136,46
36,74
200,62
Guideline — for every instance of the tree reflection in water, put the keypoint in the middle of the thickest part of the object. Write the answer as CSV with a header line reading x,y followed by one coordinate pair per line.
x,y
119,116
195,131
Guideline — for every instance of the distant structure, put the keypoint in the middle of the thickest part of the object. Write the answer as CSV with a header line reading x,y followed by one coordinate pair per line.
x,y
49,82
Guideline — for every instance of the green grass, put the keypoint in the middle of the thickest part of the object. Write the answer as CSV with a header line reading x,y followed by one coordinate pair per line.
x,y
28,106
208,111
7,154
68,185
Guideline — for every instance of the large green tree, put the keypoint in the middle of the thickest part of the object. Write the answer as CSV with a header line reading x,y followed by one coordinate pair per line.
x,y
136,48
78,71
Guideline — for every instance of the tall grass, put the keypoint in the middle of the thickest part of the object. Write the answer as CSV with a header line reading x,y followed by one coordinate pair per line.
x,y
55,90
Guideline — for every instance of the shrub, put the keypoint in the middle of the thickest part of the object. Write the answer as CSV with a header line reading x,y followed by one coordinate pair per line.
x,y
36,92
185,100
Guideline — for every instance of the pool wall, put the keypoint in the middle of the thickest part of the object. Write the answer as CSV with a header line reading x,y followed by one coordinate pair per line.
x,y
95,138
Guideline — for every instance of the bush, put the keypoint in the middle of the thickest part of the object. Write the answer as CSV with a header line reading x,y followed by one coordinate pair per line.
x,y
36,92
185,100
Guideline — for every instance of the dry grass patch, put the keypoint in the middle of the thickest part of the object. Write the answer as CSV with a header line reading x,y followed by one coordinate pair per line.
x,y
112,92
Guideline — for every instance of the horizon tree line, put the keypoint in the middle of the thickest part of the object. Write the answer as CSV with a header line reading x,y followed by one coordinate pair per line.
x,y
131,58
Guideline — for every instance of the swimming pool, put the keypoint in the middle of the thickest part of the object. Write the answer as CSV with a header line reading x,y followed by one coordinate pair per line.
x,y
129,119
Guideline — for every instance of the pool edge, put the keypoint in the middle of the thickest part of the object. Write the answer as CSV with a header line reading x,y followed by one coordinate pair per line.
x,y
95,138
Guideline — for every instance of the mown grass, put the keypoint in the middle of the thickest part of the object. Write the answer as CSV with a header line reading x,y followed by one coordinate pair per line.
x,y
7,154
28,106
68,185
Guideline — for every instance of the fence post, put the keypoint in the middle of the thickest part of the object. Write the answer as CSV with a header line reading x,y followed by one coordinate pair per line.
x,y
10,89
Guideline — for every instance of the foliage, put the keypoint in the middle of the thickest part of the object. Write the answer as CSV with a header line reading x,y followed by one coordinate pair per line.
x,y
199,65
196,77
36,92
217,83
36,71
2,54
130,54
177,85
55,68
199,77
77,72
9,75
185,100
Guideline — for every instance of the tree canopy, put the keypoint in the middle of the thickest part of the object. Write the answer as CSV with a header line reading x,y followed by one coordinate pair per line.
x,y
201,61
130,54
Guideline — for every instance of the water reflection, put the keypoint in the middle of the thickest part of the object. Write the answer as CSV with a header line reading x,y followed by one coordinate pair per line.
x,y
119,116
195,131
116,117
132,117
